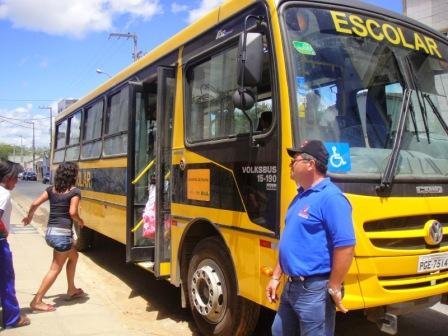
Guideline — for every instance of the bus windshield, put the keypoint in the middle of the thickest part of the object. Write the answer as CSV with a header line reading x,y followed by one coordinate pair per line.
x,y
349,73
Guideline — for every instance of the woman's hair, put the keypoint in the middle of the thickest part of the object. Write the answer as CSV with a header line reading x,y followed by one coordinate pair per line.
x,y
65,177
9,169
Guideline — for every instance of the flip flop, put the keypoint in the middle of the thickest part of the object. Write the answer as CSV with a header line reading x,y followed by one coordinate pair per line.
x,y
76,295
23,321
48,308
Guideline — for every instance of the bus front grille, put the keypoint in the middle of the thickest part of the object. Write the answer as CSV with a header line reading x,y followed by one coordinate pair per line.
x,y
404,233
413,281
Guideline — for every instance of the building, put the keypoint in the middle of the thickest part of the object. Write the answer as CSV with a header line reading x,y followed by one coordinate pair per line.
x,y
433,13
64,103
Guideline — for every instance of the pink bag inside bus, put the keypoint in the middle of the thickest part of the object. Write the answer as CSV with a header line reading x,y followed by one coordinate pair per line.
x,y
149,214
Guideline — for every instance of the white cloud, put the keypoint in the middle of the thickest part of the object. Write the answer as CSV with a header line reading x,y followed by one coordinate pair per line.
x,y
177,8
74,18
204,7
17,125
145,9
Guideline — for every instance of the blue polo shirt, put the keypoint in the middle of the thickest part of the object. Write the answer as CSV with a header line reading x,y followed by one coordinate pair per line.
x,y
318,220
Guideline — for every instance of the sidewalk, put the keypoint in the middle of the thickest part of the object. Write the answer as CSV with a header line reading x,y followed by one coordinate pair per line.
x,y
92,315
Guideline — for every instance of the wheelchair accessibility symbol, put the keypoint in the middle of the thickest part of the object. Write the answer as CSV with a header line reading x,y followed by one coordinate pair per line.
x,y
336,160
339,160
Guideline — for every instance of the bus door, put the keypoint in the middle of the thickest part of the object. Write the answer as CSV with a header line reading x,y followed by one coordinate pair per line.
x,y
149,161
141,158
165,106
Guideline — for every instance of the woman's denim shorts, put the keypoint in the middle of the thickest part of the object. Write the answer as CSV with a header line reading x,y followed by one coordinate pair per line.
x,y
59,239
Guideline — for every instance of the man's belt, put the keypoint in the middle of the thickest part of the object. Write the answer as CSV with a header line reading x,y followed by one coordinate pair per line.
x,y
300,278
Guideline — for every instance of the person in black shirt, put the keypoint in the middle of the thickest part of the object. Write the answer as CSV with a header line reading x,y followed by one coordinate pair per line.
x,y
64,200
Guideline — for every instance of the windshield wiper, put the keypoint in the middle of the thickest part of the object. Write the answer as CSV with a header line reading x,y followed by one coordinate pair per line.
x,y
420,99
436,111
414,122
389,172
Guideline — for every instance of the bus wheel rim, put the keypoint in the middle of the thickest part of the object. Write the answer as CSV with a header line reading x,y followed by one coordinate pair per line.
x,y
208,290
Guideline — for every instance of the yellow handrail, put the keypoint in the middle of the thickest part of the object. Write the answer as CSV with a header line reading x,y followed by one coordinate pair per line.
x,y
137,226
144,171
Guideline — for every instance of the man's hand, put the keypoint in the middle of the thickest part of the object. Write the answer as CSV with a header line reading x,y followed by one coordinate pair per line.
x,y
271,290
336,296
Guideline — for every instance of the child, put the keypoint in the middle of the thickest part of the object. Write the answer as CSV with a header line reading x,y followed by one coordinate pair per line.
x,y
9,172
64,201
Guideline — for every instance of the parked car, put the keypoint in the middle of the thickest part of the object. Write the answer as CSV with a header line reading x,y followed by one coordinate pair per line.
x,y
30,176
46,178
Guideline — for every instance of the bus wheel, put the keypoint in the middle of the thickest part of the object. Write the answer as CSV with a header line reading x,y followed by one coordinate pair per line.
x,y
84,236
212,293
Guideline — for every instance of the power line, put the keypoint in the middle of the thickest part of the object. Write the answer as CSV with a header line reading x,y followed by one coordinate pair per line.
x,y
25,100
17,124
25,119
99,57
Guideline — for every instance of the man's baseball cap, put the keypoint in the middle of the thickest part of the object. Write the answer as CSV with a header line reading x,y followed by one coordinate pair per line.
x,y
315,148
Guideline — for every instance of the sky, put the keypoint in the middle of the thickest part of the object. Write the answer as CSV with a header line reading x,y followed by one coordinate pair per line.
x,y
51,49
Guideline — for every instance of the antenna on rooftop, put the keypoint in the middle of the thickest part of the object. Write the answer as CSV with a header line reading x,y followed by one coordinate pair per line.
x,y
135,54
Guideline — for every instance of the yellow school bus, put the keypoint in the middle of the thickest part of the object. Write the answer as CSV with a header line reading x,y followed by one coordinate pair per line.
x,y
207,117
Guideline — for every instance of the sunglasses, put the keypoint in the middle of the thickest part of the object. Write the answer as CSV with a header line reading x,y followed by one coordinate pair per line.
x,y
293,161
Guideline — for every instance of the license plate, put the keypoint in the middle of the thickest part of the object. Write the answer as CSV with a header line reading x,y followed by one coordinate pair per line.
x,y
432,262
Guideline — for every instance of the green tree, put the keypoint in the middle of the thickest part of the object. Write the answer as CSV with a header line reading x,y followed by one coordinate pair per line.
x,y
5,151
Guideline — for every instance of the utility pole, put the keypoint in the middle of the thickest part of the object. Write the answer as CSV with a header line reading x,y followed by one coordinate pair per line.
x,y
21,150
136,54
34,151
34,147
51,122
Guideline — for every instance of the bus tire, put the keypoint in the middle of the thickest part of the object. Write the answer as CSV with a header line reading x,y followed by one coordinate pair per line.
x,y
212,293
84,236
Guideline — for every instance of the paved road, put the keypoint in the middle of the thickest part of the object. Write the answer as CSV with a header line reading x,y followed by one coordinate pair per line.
x,y
152,307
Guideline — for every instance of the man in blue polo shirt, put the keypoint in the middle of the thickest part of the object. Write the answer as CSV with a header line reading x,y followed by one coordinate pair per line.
x,y
315,250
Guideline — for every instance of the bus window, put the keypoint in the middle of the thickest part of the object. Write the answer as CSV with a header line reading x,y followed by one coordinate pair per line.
x,y
72,153
212,115
93,117
61,135
211,86
116,126
61,138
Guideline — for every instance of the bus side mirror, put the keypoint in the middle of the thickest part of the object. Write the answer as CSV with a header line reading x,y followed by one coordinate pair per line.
x,y
250,64
243,99
250,60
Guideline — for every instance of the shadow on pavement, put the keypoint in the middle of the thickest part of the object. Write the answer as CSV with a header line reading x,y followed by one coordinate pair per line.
x,y
159,295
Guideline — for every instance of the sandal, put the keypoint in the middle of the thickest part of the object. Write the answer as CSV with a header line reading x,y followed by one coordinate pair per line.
x,y
23,321
76,295
43,307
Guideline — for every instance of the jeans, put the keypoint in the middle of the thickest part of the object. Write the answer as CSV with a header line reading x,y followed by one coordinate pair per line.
x,y
305,309
59,239
10,306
